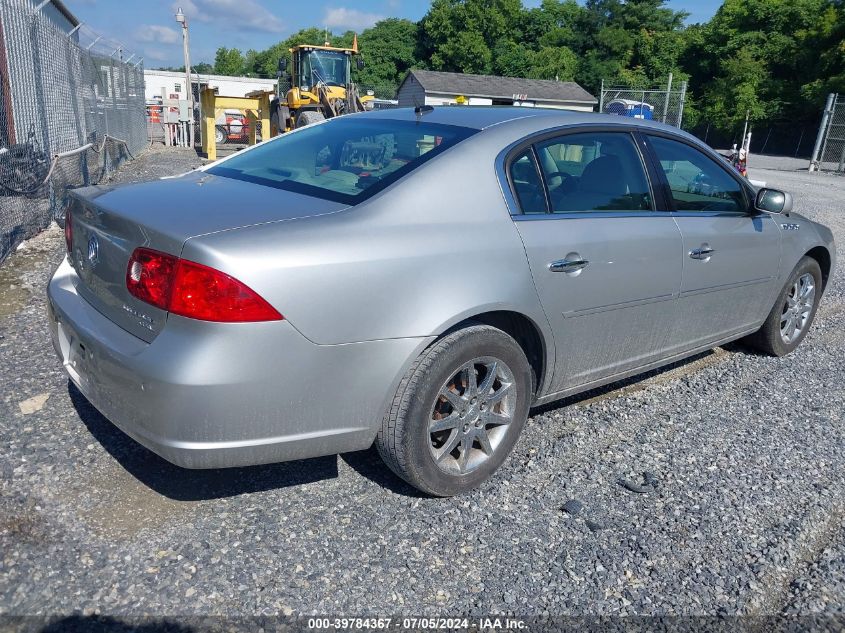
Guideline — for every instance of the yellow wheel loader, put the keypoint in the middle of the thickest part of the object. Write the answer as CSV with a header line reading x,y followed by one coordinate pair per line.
x,y
321,86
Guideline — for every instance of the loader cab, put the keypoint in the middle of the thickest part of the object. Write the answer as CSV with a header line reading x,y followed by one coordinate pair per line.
x,y
313,65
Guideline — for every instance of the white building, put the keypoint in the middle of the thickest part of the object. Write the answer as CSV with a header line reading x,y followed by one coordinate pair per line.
x,y
428,87
173,83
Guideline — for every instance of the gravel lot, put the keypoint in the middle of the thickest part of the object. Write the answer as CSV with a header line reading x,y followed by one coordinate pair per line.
x,y
746,516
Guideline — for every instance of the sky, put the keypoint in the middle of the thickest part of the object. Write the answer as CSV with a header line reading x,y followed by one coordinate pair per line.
x,y
149,28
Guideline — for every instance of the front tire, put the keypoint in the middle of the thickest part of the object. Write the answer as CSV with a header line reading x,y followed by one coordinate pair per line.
x,y
793,312
458,411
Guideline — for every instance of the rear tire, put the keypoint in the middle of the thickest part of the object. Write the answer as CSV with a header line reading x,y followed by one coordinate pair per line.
x,y
447,430
307,117
220,136
793,312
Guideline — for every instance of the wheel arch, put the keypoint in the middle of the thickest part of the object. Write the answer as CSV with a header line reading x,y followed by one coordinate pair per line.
x,y
525,331
822,256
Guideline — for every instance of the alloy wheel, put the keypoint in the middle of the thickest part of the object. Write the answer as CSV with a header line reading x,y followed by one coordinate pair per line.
x,y
471,415
797,308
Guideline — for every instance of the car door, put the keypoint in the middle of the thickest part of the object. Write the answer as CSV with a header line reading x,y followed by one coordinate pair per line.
x,y
607,267
731,252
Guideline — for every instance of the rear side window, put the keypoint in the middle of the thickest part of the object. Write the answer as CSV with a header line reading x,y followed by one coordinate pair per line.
x,y
696,181
346,160
594,171
527,184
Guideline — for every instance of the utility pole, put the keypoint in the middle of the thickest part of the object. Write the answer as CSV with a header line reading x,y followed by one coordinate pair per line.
x,y
181,19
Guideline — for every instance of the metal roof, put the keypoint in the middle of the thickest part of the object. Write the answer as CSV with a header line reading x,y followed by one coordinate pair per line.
x,y
492,86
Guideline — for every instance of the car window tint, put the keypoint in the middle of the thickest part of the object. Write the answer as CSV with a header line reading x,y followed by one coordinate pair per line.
x,y
527,184
594,171
697,182
347,159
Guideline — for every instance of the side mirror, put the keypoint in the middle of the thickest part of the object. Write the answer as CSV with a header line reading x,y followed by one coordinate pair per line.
x,y
283,64
773,201
359,62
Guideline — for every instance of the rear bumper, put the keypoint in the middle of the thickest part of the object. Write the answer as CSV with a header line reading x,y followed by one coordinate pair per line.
x,y
213,395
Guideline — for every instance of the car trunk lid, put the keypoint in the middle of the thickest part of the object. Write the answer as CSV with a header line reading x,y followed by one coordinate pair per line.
x,y
109,223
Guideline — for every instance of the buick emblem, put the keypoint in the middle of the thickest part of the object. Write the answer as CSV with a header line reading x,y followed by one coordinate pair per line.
x,y
93,250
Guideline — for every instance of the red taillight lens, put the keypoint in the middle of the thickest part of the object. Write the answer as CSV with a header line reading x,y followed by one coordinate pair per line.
x,y
204,293
193,290
69,232
149,276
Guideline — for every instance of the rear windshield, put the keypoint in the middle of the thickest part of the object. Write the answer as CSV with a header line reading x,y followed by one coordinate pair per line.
x,y
346,160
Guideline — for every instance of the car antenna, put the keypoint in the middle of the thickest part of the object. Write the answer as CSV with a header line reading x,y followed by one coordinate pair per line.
x,y
423,109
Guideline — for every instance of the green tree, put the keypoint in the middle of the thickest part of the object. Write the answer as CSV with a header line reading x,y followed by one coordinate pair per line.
x,y
553,63
615,37
770,58
203,67
228,61
460,35
510,59
388,51
774,59
822,52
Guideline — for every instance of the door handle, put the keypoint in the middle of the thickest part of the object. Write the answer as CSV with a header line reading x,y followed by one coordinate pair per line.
x,y
568,265
703,252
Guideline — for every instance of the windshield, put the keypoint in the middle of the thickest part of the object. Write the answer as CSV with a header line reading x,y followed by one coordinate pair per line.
x,y
328,67
347,159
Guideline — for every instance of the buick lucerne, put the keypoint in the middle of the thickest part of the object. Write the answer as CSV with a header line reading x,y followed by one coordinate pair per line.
x,y
418,279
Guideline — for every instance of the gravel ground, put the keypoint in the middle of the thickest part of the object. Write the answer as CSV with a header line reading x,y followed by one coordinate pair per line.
x,y
744,517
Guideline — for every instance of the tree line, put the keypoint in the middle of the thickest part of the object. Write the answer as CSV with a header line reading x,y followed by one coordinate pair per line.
x,y
773,60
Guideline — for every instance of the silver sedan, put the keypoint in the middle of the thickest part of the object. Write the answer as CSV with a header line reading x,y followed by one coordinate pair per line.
x,y
418,278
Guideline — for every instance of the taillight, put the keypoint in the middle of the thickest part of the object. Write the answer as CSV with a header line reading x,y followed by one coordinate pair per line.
x,y
69,232
193,290
204,293
149,276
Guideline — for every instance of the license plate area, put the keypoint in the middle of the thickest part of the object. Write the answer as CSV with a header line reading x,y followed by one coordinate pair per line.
x,y
75,355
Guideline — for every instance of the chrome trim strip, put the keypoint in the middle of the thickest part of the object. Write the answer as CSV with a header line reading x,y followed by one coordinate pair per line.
x,y
585,215
739,284
619,306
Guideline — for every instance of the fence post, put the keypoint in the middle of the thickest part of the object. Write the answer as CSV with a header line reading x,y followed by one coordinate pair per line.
x,y
666,100
681,104
815,159
113,84
601,97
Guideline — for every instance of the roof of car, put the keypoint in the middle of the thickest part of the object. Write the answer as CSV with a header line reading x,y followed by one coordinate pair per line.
x,y
475,117
483,117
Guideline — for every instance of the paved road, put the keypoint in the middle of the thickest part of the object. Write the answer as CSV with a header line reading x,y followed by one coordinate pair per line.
x,y
746,517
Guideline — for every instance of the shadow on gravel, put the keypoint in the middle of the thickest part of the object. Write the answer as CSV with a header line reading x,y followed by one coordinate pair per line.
x,y
741,347
182,484
108,624
369,464
624,386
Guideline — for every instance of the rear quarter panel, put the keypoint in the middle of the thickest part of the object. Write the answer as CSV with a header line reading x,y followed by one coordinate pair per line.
x,y
435,248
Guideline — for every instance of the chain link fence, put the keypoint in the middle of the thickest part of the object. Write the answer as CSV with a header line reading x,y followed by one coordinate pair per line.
x,y
829,151
71,110
664,104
